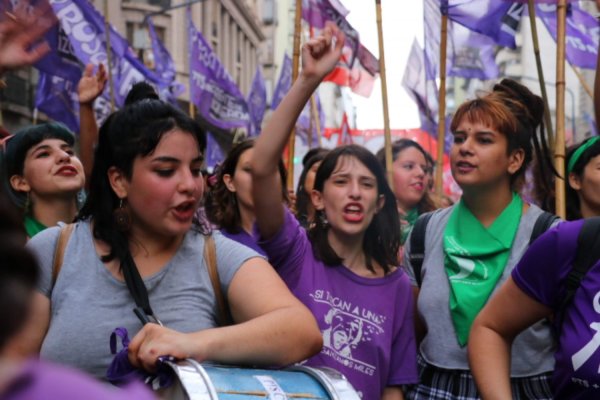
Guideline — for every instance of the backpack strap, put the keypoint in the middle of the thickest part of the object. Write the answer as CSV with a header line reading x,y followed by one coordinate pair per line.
x,y
588,253
417,245
59,252
543,222
210,256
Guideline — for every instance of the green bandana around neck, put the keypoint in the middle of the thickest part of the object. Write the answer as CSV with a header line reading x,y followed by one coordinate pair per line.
x,y
407,221
33,226
475,258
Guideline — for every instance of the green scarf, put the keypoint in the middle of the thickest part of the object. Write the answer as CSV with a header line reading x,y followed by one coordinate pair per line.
x,y
33,226
475,258
407,221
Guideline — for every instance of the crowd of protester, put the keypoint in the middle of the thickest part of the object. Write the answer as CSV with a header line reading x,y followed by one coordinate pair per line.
x,y
405,296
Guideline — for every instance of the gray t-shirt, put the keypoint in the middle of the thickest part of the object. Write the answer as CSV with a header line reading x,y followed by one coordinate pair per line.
x,y
533,349
88,303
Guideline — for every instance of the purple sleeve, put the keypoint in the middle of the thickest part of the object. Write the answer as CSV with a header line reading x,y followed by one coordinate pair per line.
x,y
288,249
545,265
403,362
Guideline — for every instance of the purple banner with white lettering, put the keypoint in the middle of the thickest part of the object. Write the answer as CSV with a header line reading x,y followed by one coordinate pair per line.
x,y
257,102
471,55
494,18
284,83
164,67
220,102
582,33
57,98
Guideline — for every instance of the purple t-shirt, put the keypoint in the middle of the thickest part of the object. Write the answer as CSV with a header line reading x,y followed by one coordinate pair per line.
x,y
243,237
542,274
42,380
367,323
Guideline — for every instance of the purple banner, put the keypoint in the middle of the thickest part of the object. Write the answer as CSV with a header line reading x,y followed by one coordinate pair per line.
x,y
582,33
213,154
220,102
164,67
494,18
306,122
257,102
57,98
471,55
284,83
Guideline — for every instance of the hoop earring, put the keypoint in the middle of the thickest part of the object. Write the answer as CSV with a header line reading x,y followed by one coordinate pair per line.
x,y
122,217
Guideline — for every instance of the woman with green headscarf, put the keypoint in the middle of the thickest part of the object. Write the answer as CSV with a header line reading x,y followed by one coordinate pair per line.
x,y
471,247
583,171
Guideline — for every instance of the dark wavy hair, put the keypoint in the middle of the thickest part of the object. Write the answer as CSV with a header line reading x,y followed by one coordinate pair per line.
x,y
15,152
221,204
131,132
426,203
303,198
573,205
516,112
382,238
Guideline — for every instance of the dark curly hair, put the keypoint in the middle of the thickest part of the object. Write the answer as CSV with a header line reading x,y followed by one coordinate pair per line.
x,y
221,204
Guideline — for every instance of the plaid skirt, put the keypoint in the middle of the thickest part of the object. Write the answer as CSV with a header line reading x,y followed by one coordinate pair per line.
x,y
451,384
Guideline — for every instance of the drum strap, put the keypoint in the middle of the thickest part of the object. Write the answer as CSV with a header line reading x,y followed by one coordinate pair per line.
x,y
210,257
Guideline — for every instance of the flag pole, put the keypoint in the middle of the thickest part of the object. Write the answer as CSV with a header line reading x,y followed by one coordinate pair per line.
x,y
316,120
108,58
540,71
384,97
439,162
295,69
559,148
582,81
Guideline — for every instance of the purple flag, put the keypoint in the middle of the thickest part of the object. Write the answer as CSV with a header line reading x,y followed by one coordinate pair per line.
x,y
469,54
61,60
220,102
257,102
306,122
164,67
424,93
582,33
213,155
494,18
284,83
57,98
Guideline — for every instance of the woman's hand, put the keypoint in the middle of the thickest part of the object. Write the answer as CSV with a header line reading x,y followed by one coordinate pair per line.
x,y
321,54
91,86
154,341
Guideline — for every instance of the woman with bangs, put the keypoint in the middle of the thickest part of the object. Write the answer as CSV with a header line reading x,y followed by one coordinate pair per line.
x,y
42,175
345,267
471,247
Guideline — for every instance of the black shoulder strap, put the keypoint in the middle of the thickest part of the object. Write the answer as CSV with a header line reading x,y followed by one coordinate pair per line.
x,y
417,245
588,253
543,222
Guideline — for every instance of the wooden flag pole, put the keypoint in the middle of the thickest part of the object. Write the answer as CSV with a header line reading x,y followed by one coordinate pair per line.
x,y
295,70
559,148
540,71
111,85
316,120
439,168
384,97
582,81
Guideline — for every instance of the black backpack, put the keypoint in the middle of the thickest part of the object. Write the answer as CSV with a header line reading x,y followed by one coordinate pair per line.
x,y
417,238
588,253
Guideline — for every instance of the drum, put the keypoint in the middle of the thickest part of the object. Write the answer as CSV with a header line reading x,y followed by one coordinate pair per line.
x,y
217,382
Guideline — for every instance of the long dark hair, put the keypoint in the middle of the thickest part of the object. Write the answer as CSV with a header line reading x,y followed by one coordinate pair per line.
x,y
133,131
382,238
15,152
426,204
516,112
573,206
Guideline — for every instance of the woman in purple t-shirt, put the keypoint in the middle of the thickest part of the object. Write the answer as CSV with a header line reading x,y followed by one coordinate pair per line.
x,y
229,203
344,269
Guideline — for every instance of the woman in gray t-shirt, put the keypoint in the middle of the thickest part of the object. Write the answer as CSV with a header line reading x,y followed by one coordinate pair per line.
x,y
135,227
